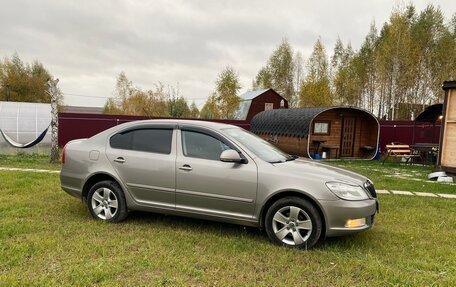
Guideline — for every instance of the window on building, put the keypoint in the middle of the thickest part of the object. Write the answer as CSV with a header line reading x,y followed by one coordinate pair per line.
x,y
268,106
321,128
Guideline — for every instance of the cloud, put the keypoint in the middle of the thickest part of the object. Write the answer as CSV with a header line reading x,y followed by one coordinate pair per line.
x,y
186,43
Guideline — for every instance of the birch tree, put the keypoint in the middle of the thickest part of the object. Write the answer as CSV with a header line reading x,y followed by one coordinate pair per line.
x,y
226,93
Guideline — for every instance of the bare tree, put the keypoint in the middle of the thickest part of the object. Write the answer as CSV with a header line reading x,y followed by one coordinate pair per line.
x,y
54,93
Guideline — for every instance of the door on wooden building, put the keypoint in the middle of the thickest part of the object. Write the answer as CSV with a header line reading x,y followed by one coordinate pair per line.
x,y
347,138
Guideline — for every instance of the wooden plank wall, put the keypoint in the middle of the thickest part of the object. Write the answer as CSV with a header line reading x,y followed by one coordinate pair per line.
x,y
449,133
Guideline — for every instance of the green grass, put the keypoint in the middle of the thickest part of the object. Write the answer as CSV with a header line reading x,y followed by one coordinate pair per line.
x,y
23,160
394,176
47,238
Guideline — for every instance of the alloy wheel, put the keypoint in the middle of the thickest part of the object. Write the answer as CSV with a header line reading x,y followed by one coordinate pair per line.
x,y
104,203
292,225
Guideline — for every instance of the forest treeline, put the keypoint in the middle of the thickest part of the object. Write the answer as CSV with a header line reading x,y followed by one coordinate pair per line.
x,y
396,72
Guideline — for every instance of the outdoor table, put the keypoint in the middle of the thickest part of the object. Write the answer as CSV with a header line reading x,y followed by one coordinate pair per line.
x,y
426,150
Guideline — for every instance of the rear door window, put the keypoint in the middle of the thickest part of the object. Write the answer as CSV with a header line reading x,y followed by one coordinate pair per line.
x,y
147,140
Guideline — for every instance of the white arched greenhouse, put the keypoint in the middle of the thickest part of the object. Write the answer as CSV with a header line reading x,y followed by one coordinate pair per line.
x,y
24,124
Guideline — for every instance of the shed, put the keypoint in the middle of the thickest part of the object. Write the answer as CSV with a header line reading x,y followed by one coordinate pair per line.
x,y
253,102
339,132
447,150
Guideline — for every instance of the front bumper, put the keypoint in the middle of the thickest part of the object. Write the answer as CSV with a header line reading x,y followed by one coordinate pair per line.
x,y
340,211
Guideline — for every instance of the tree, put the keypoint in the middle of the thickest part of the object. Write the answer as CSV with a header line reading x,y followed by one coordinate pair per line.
x,y
178,108
279,72
23,82
130,100
315,89
298,77
263,79
210,109
344,78
226,93
111,108
398,71
194,112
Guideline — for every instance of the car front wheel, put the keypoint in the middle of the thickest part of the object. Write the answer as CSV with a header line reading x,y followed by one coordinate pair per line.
x,y
294,222
106,202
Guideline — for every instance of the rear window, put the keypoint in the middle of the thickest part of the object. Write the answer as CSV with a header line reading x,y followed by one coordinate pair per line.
x,y
148,140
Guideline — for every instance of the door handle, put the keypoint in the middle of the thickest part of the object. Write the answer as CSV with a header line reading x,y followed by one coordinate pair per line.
x,y
186,167
120,160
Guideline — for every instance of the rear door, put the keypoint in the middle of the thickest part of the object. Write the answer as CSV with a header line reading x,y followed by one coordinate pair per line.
x,y
206,185
144,158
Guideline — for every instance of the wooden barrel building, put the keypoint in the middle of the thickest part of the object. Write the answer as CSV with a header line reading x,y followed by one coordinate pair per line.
x,y
331,132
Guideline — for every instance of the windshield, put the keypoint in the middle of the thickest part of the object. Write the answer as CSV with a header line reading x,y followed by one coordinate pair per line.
x,y
258,146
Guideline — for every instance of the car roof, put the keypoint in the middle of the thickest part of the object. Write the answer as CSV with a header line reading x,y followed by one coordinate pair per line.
x,y
201,123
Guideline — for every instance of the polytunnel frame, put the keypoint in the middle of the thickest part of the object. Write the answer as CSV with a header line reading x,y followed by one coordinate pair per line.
x,y
33,142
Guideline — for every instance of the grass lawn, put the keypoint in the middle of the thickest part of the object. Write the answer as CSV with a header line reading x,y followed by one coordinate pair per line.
x,y
48,238
23,160
394,176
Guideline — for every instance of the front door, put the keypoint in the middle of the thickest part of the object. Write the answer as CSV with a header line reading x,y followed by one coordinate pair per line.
x,y
206,185
347,137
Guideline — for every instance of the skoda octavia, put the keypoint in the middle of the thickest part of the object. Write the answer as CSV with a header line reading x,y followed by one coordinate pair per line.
x,y
219,172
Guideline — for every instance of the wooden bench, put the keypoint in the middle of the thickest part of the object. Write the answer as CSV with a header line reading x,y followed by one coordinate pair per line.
x,y
400,151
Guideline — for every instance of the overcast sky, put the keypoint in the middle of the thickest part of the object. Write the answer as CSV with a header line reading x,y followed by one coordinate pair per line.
x,y
86,44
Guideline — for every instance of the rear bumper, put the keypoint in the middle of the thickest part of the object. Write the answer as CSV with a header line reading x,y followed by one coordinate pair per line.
x,y
340,211
70,184
73,192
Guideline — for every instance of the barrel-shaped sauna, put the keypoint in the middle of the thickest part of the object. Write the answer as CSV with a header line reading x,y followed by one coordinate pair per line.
x,y
328,132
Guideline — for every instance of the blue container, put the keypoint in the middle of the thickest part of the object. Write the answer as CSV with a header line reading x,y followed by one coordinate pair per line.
x,y
317,156
377,155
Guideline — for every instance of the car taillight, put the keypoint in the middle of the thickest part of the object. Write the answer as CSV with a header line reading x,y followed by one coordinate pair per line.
x,y
63,155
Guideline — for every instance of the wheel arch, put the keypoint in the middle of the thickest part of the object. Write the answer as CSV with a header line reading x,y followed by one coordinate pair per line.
x,y
93,179
297,193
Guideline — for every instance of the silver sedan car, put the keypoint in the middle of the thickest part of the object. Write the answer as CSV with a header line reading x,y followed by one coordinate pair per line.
x,y
219,172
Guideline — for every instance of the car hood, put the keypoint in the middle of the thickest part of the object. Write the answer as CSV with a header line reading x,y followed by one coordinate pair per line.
x,y
317,170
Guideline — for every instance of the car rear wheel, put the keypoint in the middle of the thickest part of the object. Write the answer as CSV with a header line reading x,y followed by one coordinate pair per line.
x,y
294,222
106,202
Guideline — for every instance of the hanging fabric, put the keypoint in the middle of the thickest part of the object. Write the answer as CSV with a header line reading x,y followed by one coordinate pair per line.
x,y
26,145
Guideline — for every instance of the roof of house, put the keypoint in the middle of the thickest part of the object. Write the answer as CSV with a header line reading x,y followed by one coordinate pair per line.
x,y
289,122
82,110
430,114
250,95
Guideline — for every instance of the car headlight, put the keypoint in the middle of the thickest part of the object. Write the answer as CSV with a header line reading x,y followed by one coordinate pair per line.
x,y
347,191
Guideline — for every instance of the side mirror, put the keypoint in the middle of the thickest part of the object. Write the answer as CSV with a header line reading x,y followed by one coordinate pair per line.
x,y
230,155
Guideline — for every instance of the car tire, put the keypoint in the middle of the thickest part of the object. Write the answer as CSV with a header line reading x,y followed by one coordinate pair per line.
x,y
106,201
293,222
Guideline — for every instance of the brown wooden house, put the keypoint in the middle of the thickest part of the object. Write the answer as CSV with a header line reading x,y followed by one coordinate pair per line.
x,y
254,102
336,132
